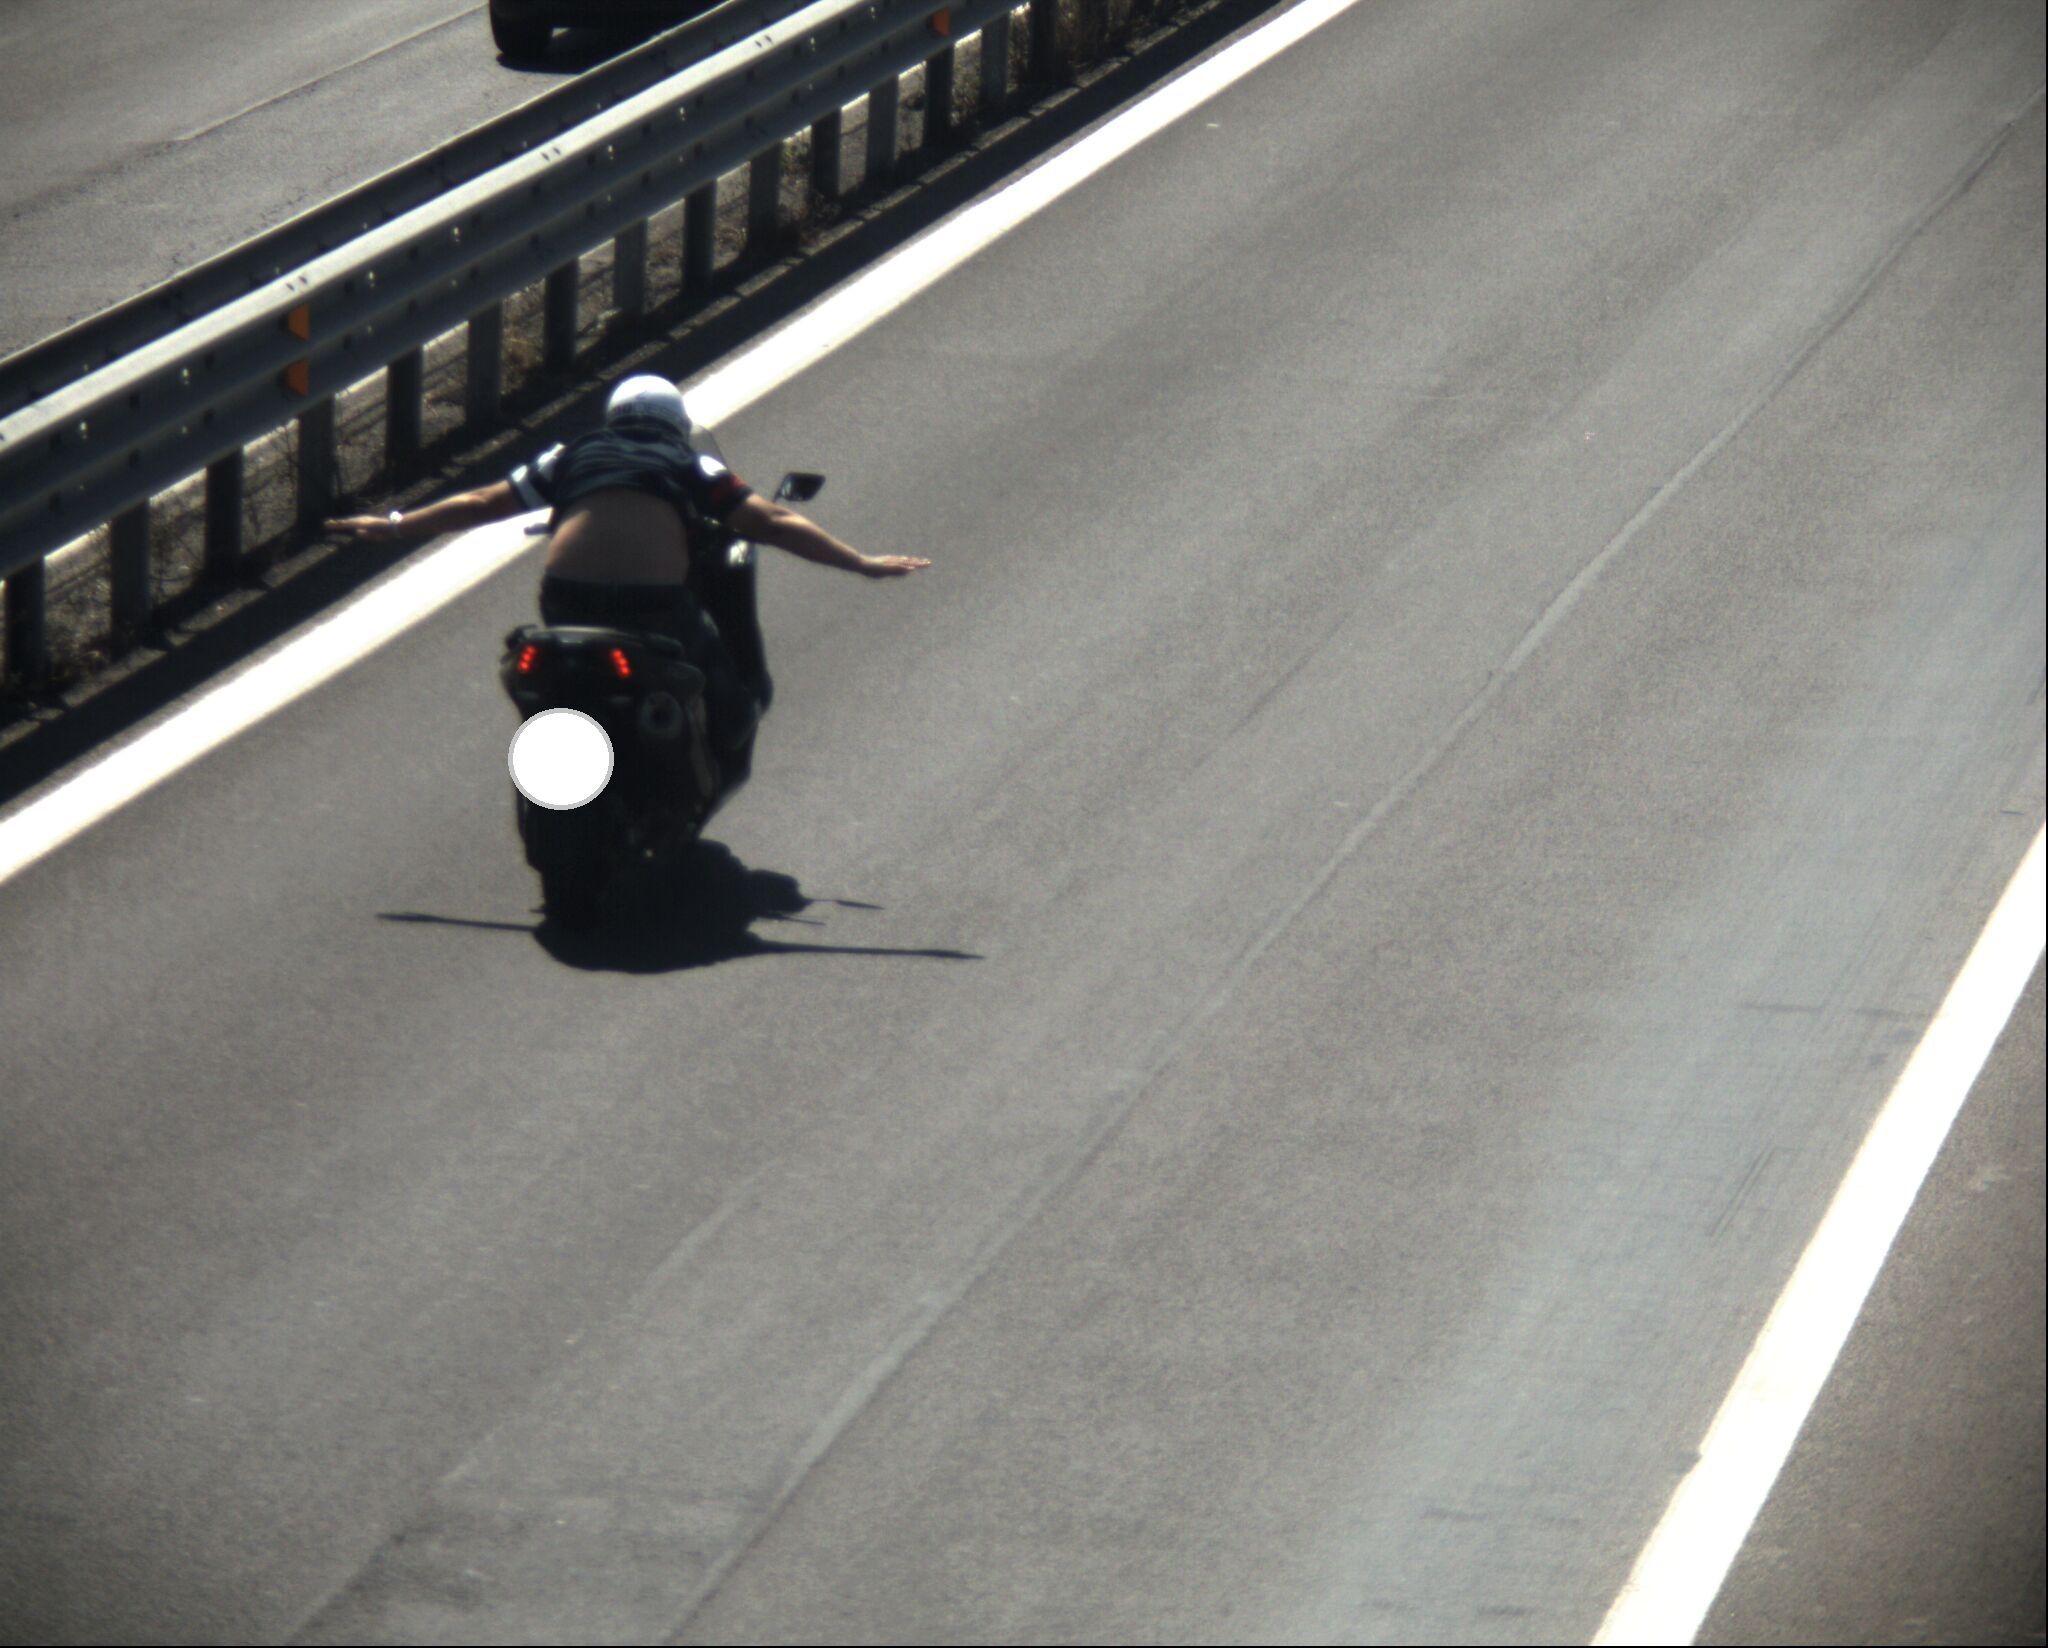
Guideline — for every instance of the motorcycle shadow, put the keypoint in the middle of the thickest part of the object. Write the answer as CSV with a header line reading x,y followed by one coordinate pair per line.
x,y
699,909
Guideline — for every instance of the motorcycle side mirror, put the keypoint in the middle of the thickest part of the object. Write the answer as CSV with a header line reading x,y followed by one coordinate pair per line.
x,y
799,488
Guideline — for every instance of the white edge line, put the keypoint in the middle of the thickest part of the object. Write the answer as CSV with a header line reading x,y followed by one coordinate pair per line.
x,y
320,654
1681,1570
391,608
947,245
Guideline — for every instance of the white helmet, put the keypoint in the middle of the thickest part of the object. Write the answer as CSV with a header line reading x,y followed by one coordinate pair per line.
x,y
650,399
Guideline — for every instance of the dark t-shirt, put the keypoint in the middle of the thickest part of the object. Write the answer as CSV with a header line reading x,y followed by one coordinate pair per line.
x,y
651,460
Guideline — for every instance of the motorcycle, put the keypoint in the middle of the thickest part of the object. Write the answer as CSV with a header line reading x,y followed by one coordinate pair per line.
x,y
667,778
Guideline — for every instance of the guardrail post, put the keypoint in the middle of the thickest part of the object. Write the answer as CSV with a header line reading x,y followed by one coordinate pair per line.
x,y
828,152
700,238
629,271
882,132
486,359
28,649
938,97
995,67
1091,30
558,318
128,573
223,516
316,464
405,393
1046,62
764,201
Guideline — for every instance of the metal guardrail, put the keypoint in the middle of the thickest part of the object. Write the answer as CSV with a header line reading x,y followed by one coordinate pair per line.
x,y
66,356
98,450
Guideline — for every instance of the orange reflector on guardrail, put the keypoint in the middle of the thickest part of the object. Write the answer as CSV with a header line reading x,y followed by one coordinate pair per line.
x,y
298,377
942,24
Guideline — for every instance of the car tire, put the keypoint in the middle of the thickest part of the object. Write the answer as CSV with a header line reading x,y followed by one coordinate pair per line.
x,y
522,39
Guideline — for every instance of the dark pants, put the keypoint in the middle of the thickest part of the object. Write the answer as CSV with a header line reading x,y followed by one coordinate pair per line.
x,y
662,609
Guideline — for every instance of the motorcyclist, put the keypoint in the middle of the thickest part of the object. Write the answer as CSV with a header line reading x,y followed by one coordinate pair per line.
x,y
628,499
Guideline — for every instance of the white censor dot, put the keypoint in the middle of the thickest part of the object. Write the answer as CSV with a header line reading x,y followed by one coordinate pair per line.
x,y
560,759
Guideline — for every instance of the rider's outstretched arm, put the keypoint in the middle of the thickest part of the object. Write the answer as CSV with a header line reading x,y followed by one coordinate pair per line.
x,y
457,514
767,522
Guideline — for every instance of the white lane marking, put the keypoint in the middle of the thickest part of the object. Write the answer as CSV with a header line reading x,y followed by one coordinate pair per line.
x,y
1681,1569
393,607
327,74
238,703
893,282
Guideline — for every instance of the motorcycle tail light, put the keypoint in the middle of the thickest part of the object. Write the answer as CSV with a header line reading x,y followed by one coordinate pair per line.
x,y
527,656
621,665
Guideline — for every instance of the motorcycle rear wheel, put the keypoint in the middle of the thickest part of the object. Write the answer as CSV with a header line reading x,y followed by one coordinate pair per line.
x,y
571,894
569,850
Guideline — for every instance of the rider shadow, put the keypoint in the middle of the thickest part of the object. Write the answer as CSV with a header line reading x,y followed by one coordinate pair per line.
x,y
695,912
700,910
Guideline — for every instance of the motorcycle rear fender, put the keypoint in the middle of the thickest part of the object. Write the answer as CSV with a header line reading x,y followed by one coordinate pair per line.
x,y
574,667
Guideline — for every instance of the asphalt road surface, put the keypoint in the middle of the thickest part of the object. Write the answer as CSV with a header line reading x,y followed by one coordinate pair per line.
x,y
1267,1032
138,137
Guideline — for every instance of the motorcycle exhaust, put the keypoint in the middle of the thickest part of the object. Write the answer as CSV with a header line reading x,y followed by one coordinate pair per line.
x,y
661,719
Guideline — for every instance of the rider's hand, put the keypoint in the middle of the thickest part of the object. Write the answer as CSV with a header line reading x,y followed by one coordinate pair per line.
x,y
891,566
363,526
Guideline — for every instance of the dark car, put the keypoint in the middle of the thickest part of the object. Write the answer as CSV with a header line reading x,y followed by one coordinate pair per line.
x,y
521,27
